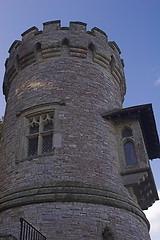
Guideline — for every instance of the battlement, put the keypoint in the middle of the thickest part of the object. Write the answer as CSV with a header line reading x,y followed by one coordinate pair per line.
x,y
39,45
66,140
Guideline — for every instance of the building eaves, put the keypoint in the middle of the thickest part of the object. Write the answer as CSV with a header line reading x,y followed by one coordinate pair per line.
x,y
145,115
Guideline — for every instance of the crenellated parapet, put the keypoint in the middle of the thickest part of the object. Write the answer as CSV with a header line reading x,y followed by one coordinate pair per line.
x,y
71,155
55,42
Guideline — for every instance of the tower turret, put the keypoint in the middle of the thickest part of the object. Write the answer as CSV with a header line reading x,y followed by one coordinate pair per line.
x,y
62,163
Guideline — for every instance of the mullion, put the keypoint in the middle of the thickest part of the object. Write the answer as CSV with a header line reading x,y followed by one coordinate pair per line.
x,y
40,135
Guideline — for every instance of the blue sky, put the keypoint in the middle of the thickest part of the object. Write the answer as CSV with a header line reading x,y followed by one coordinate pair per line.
x,y
133,24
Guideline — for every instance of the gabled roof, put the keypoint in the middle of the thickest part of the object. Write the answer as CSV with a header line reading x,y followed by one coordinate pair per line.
x,y
144,113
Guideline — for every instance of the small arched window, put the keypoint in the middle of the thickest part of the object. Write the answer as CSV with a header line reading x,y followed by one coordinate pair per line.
x,y
91,47
65,41
17,62
37,47
65,51
107,235
38,51
91,51
112,63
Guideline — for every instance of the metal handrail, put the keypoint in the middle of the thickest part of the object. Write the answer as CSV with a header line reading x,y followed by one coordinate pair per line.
x,y
28,232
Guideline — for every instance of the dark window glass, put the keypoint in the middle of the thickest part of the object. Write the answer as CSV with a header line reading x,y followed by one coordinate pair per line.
x,y
65,41
107,235
48,126
34,129
127,133
130,154
32,146
40,132
47,143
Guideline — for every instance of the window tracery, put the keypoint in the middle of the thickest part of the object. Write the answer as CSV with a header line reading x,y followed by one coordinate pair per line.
x,y
128,146
40,134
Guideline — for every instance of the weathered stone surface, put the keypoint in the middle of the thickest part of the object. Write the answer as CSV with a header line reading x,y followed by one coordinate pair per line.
x,y
7,237
81,82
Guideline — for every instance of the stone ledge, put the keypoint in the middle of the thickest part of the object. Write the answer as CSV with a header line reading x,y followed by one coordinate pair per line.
x,y
70,192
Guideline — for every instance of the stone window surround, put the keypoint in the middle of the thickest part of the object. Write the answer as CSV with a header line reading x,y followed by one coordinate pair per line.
x,y
22,147
139,144
40,133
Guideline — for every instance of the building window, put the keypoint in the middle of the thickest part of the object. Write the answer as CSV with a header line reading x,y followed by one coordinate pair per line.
x,y
40,131
129,150
107,235
39,134
130,154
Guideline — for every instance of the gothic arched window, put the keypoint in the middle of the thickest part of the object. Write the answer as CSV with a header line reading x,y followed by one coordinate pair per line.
x,y
65,41
40,134
91,47
129,149
130,154
65,47
37,47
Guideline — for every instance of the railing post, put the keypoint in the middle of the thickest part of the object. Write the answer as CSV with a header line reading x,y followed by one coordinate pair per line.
x,y
21,221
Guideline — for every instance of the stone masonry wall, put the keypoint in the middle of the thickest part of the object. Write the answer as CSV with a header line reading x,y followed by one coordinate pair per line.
x,y
70,221
76,190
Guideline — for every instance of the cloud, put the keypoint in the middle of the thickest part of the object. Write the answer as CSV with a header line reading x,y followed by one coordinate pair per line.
x,y
153,215
157,82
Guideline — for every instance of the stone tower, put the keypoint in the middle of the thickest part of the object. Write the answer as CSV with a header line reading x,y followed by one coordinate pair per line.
x,y
74,163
